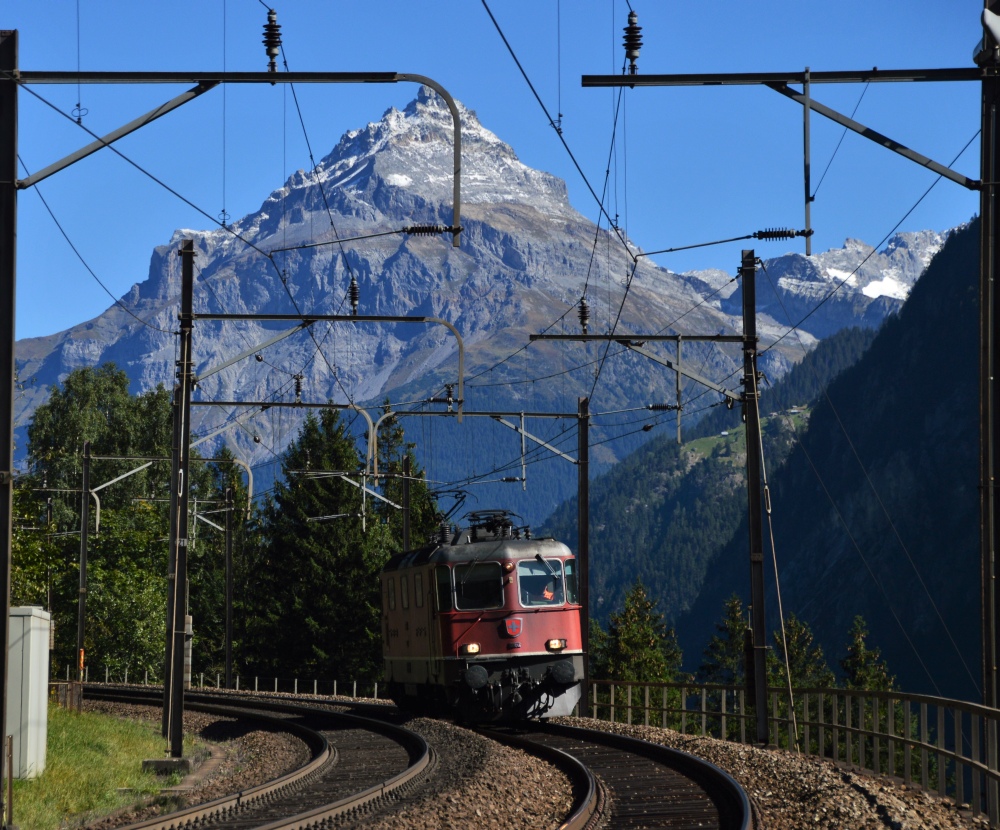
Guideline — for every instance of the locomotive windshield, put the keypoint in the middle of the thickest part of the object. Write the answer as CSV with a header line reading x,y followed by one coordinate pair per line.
x,y
540,582
478,586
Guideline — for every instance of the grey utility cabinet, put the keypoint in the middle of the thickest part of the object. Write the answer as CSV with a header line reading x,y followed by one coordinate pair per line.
x,y
27,689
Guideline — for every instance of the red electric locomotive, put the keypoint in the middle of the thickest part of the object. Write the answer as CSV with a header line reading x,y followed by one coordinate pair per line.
x,y
484,622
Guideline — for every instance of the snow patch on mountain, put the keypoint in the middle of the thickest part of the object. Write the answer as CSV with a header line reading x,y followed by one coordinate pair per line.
x,y
850,285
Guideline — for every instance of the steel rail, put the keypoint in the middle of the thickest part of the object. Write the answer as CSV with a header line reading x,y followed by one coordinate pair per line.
x,y
589,797
420,755
735,809
323,754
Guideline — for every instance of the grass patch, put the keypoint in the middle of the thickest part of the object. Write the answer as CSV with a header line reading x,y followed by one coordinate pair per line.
x,y
93,767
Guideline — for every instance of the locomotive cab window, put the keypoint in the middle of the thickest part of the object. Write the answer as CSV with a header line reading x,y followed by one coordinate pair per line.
x,y
443,578
418,589
478,586
404,591
571,589
392,593
540,582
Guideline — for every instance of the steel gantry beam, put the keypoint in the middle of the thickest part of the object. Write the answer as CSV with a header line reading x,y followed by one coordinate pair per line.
x,y
779,82
208,80
839,76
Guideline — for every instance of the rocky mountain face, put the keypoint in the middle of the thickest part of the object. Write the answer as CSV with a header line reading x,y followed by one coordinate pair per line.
x,y
524,263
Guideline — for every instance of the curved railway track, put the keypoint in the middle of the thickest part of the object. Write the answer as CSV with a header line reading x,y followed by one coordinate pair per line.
x,y
361,763
356,763
643,785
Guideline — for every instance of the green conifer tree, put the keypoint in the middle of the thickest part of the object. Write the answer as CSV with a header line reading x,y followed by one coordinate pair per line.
x,y
393,448
722,661
863,667
598,658
808,666
639,643
320,603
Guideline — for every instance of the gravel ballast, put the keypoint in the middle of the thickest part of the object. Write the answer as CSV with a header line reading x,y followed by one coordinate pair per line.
x,y
795,792
247,755
479,784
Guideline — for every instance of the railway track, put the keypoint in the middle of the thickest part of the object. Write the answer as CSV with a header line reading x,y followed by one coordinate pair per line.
x,y
638,784
360,764
356,763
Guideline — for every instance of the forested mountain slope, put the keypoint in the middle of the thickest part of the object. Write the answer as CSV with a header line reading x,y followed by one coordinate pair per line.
x,y
664,512
875,511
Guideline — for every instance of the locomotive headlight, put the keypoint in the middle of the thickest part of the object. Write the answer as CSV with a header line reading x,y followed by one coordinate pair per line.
x,y
467,649
555,645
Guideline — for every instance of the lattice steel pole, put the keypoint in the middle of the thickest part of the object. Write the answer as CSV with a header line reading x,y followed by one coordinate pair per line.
x,y
989,393
8,260
182,475
751,415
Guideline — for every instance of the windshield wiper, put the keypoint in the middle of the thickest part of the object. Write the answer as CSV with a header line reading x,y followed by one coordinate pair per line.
x,y
548,567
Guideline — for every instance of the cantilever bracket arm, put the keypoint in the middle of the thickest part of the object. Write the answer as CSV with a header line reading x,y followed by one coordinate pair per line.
x,y
113,136
456,214
254,350
670,364
307,319
873,135
198,517
530,437
211,79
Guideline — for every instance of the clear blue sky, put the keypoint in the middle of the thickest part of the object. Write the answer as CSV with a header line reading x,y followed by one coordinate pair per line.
x,y
691,165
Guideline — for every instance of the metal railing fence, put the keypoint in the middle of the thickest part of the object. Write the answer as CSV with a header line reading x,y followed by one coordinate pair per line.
x,y
350,688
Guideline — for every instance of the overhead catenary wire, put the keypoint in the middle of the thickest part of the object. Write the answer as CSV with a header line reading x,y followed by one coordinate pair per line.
x,y
600,201
878,583
229,229
538,454
846,279
79,111
705,299
795,328
135,164
559,115
548,116
885,510
84,263
841,141
169,189
416,230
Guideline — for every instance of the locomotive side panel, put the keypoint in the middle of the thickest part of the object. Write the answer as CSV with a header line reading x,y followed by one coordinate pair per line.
x,y
408,636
